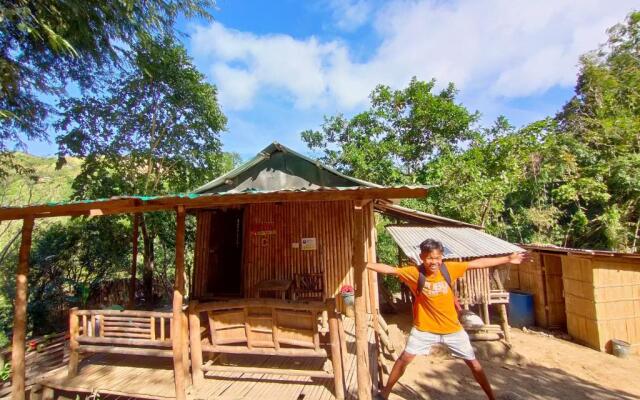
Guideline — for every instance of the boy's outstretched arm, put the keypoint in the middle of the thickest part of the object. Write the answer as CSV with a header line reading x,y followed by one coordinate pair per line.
x,y
515,258
382,268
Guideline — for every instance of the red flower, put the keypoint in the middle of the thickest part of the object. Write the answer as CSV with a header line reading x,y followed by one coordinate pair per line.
x,y
346,289
33,344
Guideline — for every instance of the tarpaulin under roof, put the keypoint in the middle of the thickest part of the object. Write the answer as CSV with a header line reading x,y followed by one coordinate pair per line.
x,y
277,167
459,242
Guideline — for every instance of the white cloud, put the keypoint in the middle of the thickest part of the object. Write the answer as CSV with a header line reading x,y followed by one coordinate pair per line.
x,y
498,48
350,15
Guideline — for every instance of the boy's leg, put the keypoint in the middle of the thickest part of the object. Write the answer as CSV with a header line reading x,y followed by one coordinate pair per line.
x,y
419,343
460,346
396,372
481,377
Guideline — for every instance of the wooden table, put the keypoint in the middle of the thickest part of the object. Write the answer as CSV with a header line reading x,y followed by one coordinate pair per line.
x,y
274,285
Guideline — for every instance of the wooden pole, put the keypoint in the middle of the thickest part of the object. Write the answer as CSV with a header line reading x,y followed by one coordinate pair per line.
x,y
504,322
360,280
336,353
178,294
20,314
134,261
74,331
196,346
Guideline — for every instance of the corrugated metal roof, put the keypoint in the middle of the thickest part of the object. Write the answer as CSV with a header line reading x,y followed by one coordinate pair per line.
x,y
459,242
421,217
587,252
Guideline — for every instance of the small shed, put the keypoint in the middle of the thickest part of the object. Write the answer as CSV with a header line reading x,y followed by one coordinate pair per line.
x,y
596,292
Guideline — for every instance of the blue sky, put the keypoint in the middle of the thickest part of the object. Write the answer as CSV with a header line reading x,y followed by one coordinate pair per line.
x,y
280,66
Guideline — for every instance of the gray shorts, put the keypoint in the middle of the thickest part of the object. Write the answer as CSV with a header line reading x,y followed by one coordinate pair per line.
x,y
458,343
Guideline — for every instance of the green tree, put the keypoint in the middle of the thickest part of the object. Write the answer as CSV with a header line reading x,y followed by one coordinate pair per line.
x,y
154,129
45,45
601,126
397,136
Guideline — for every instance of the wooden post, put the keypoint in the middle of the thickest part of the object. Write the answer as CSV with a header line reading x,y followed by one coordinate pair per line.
x,y
20,314
134,261
196,346
177,340
336,353
74,331
360,279
504,321
185,349
373,291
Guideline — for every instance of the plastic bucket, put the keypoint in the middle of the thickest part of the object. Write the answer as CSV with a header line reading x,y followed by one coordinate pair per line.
x,y
620,348
521,312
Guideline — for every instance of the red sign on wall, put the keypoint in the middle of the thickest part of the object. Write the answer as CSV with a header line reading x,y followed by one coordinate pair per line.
x,y
263,228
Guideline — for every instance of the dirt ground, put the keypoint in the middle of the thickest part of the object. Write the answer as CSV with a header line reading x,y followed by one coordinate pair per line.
x,y
538,366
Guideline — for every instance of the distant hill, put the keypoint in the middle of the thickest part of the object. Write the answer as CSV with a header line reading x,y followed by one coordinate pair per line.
x,y
43,184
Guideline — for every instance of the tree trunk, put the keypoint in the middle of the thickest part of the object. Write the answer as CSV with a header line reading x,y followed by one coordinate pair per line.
x,y
148,255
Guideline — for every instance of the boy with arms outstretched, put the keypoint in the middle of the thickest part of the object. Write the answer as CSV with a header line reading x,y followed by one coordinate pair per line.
x,y
435,319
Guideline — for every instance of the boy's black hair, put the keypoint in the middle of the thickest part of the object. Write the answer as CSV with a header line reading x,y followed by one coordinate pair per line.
x,y
431,244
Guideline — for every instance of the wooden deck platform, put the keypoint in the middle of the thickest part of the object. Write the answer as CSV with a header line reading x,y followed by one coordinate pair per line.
x,y
117,376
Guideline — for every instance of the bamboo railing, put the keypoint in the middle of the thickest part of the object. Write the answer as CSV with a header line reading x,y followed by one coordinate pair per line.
x,y
264,327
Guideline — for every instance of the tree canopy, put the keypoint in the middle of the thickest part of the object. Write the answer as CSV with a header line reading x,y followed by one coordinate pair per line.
x,y
571,179
47,45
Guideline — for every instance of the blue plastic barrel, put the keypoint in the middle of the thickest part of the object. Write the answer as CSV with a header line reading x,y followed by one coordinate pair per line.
x,y
521,311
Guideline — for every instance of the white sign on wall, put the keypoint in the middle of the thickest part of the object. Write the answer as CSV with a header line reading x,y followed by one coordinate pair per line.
x,y
309,244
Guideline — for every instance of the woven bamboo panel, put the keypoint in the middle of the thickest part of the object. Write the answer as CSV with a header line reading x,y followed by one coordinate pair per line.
x,y
616,293
577,274
532,281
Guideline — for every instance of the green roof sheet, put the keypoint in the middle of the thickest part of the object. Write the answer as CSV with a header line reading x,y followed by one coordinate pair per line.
x,y
277,167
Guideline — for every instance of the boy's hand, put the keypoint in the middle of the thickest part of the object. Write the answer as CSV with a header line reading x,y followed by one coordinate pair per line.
x,y
519,258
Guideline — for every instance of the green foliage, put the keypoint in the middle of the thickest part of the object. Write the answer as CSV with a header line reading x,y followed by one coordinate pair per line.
x,y
71,258
48,44
402,130
572,180
153,129
5,371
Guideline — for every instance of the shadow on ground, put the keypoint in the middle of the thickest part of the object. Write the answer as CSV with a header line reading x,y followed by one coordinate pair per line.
x,y
439,377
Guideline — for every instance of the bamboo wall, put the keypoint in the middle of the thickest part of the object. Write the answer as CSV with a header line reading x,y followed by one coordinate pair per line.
x,y
603,300
542,277
270,254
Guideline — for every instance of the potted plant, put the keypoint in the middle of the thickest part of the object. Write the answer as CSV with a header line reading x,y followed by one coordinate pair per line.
x,y
347,293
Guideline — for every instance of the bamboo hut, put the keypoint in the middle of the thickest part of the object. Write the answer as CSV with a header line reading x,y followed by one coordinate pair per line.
x,y
595,294
276,239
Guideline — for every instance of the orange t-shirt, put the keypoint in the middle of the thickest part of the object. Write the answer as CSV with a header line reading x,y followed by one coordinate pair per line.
x,y
434,310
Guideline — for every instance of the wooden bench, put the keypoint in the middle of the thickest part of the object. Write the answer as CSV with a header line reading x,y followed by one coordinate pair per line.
x,y
268,327
143,333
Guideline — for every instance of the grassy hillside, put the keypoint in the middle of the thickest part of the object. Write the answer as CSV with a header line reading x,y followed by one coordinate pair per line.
x,y
43,184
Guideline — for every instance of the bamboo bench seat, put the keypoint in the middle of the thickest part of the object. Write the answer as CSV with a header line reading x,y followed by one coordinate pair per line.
x,y
140,333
